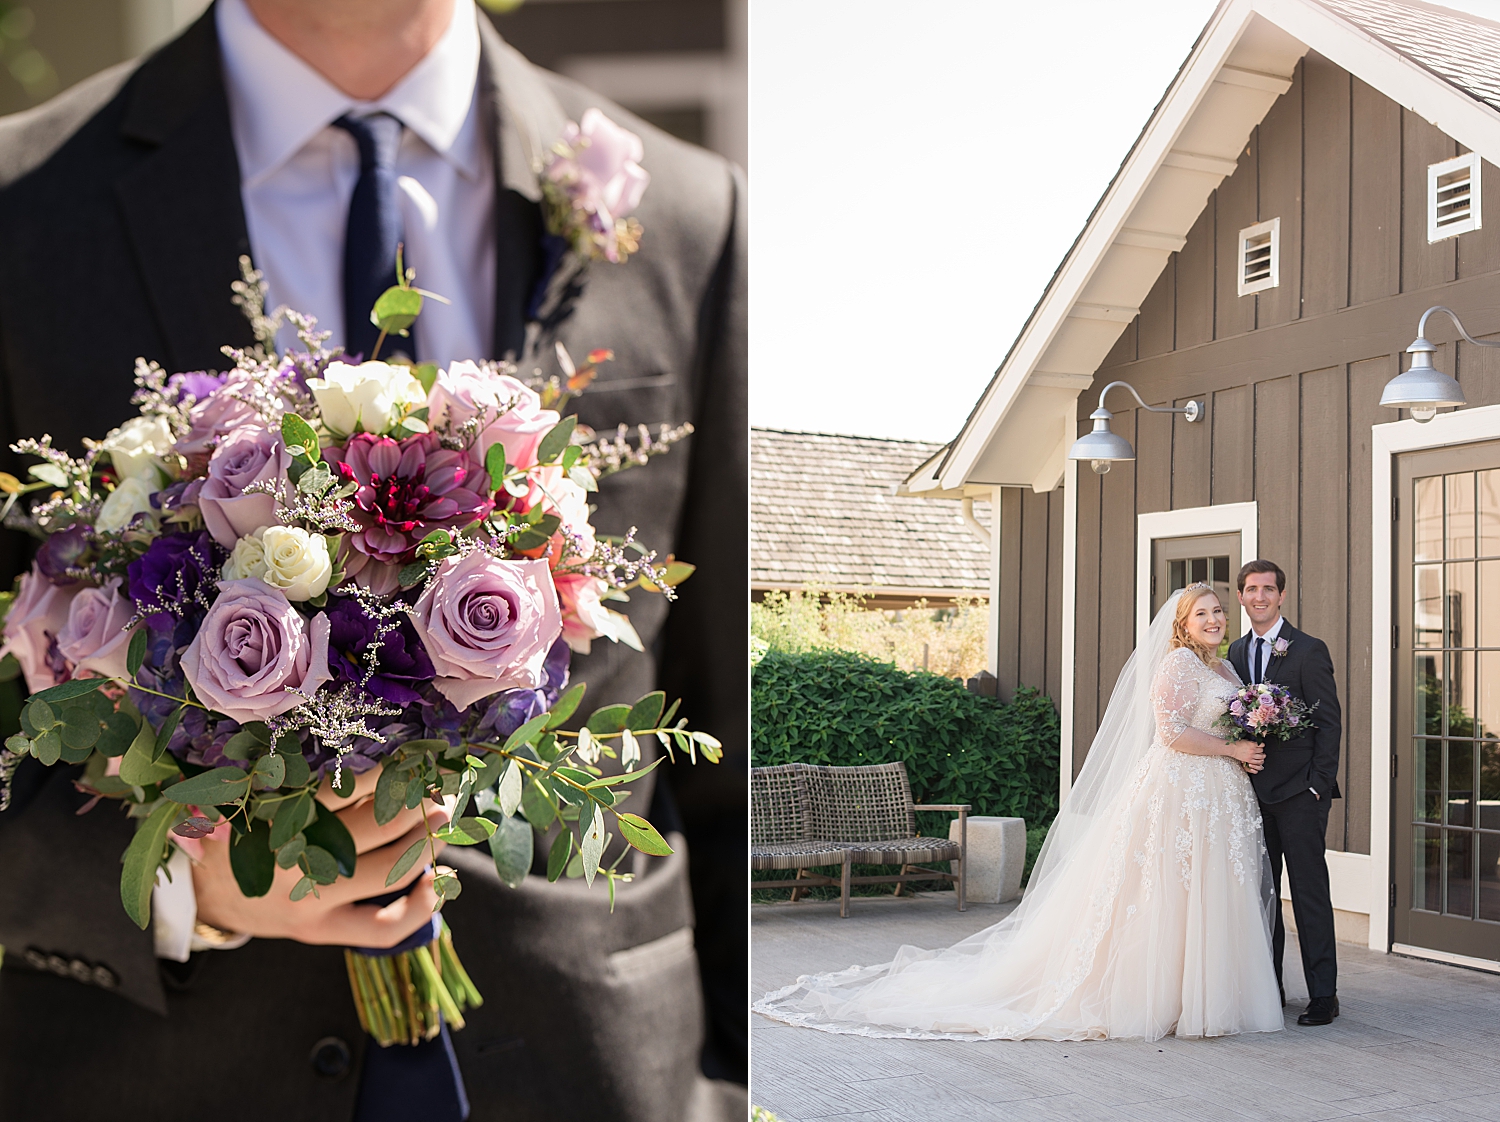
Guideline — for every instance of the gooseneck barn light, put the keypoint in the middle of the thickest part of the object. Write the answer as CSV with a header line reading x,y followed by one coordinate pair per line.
x,y
1424,388
1103,447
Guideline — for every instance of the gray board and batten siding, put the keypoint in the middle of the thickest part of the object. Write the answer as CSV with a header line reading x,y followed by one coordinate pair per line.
x,y
1291,379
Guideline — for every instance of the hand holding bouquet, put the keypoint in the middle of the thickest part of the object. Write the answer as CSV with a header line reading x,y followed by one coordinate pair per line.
x,y
1262,712
304,569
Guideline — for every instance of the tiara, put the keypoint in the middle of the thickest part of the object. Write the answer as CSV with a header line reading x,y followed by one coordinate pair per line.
x,y
1199,584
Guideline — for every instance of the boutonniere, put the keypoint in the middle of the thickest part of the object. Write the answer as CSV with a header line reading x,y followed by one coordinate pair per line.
x,y
1279,648
591,181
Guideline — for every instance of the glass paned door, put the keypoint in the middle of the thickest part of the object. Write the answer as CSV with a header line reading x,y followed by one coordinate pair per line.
x,y
1446,809
1212,558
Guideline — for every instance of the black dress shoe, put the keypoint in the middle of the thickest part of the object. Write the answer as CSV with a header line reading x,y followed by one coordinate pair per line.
x,y
1283,995
1320,1011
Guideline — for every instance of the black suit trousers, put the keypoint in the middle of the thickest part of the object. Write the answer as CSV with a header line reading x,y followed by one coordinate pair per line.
x,y
1295,829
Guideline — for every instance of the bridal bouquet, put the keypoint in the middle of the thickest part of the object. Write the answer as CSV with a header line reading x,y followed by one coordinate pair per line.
x,y
1259,712
306,568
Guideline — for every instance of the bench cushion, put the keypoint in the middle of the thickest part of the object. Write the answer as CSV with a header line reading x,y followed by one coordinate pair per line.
x,y
795,855
900,851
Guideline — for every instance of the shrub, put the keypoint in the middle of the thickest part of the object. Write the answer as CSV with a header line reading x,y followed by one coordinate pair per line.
x,y
837,707
946,640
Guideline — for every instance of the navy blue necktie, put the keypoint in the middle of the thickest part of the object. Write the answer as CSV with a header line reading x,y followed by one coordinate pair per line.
x,y
1257,674
372,233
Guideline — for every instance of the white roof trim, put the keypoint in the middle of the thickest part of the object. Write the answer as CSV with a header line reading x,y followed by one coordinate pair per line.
x,y
1241,64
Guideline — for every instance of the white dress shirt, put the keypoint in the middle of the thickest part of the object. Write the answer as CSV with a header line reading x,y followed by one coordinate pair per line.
x,y
1270,638
297,174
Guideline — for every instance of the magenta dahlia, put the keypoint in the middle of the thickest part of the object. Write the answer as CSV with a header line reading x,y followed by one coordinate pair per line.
x,y
407,489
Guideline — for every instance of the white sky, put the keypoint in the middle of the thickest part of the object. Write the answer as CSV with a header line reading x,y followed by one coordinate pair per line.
x,y
903,219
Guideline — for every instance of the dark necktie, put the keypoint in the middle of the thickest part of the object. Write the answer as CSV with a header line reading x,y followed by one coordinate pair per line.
x,y
1257,672
372,233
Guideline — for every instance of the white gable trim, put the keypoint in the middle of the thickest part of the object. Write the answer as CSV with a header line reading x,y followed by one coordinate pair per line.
x,y
1241,64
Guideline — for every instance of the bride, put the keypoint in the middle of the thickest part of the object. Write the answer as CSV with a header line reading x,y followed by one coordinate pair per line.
x,y
1149,910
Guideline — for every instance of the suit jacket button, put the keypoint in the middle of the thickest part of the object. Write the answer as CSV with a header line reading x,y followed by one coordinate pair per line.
x,y
330,1058
58,965
104,978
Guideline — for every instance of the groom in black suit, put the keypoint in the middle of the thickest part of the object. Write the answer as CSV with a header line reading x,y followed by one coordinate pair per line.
x,y
1299,779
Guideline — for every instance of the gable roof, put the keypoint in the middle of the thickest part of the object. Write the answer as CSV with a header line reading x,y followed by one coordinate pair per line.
x,y
1441,64
824,511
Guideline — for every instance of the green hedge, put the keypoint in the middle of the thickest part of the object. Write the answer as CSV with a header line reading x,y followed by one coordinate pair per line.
x,y
837,707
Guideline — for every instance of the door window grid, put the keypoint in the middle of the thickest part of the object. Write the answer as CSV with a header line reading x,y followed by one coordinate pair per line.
x,y
1456,641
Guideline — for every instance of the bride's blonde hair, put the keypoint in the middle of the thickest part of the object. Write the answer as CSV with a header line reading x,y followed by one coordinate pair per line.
x,y
1180,636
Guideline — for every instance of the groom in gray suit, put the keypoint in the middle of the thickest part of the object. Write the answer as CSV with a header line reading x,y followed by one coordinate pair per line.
x,y
1299,780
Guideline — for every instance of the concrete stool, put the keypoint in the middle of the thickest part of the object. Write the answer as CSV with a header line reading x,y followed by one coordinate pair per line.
x,y
997,857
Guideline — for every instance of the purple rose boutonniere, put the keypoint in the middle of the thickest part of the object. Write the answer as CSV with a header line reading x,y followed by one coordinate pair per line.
x,y
1279,648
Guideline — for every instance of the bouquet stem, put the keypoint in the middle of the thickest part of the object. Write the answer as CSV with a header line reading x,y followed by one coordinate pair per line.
x,y
404,998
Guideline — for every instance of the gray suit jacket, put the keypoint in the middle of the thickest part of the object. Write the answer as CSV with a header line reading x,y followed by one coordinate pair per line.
x,y
120,227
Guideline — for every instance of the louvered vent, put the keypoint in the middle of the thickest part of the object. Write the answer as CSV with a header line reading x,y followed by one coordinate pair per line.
x,y
1260,251
1453,197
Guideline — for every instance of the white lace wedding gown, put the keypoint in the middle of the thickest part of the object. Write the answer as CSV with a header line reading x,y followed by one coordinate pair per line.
x,y
1158,924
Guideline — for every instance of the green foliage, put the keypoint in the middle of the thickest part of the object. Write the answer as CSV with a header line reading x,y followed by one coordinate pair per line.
x,y
845,709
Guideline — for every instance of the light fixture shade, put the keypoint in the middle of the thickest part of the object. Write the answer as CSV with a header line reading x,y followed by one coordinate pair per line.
x,y
1101,444
1423,384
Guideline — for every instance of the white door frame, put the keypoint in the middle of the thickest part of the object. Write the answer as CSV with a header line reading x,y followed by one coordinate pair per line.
x,y
1464,426
1190,522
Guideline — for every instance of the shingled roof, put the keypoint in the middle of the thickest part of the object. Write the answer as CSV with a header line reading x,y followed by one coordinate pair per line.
x,y
1460,48
824,511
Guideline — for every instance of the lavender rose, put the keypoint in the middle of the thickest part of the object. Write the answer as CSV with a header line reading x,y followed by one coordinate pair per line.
x,y
95,638
252,650
610,178
250,454
487,625
35,619
217,415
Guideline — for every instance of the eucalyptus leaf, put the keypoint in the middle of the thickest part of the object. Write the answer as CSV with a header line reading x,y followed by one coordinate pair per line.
x,y
494,464
426,373
327,830
527,733
290,818
119,733
269,772
300,438
565,706
40,715
405,861
135,655
467,831
319,864
49,473
297,771
390,794
303,887
48,746
593,846
557,856
138,768
512,847
142,857
217,787
641,834
557,438
447,886
396,309
584,478
251,860
608,720
536,807
509,791
164,734
290,851
646,712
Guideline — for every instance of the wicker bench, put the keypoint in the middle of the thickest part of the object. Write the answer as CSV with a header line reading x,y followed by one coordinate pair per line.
x,y
806,816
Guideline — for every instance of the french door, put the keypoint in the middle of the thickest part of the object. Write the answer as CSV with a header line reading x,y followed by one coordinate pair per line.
x,y
1209,558
1446,797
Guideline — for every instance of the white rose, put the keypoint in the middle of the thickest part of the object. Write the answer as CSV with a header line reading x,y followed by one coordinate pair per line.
x,y
131,497
369,397
297,562
135,445
248,561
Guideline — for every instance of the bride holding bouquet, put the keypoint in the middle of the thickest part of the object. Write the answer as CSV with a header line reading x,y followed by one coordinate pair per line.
x,y
1149,910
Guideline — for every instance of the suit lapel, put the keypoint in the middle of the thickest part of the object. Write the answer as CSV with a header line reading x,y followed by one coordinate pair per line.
x,y
1239,659
525,119
1276,664
181,204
